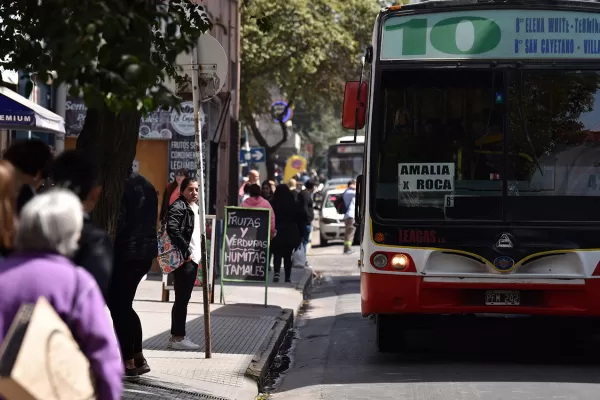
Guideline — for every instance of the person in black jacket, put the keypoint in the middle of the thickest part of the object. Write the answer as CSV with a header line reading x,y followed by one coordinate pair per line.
x,y
30,158
289,222
135,247
76,171
183,228
305,202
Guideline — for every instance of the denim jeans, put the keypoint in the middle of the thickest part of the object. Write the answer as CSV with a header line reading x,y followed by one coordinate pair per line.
x,y
306,240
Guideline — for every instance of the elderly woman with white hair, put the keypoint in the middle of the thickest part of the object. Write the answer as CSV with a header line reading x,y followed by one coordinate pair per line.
x,y
49,229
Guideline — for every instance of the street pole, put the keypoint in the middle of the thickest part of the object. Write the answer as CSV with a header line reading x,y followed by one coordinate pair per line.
x,y
202,209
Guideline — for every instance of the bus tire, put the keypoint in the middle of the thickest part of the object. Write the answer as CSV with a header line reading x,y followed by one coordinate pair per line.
x,y
390,334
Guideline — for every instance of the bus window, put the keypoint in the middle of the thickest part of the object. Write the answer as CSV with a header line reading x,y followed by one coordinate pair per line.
x,y
431,148
555,117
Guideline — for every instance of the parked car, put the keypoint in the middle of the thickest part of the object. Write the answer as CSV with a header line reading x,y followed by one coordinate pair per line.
x,y
331,224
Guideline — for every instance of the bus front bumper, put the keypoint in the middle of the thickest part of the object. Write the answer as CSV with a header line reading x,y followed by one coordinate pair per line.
x,y
415,294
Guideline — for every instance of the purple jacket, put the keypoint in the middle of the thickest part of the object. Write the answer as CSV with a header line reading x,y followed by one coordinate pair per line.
x,y
76,298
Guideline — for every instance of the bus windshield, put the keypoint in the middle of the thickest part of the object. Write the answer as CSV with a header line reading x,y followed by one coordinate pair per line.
x,y
519,145
345,161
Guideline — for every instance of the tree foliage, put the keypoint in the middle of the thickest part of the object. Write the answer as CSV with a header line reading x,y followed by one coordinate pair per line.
x,y
112,52
118,55
303,50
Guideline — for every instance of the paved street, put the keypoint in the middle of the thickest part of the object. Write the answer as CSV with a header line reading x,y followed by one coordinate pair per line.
x,y
335,357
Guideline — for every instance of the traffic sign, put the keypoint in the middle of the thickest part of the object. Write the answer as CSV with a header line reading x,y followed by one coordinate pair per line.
x,y
256,155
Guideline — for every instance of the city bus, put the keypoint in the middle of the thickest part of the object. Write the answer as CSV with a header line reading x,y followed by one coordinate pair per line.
x,y
480,193
345,160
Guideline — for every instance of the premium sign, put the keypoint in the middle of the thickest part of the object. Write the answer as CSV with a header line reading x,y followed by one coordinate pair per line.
x,y
492,34
426,177
16,119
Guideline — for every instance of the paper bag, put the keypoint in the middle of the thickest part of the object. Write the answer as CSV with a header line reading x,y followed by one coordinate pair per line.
x,y
40,360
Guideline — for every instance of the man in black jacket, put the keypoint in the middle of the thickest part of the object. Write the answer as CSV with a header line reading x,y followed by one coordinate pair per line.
x,y
305,203
76,171
135,248
30,158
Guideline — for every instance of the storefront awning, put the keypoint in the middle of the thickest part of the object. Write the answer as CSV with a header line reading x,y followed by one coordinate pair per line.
x,y
18,113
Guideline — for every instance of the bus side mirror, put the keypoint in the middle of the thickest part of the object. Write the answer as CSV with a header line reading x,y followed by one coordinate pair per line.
x,y
353,103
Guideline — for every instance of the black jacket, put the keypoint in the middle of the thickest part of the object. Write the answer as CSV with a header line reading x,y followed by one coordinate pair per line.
x,y
136,230
95,254
305,203
180,225
289,224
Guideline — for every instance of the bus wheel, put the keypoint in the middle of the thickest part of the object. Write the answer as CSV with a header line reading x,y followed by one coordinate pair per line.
x,y
390,334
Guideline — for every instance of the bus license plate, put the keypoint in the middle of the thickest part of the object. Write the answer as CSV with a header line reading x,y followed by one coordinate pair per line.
x,y
502,298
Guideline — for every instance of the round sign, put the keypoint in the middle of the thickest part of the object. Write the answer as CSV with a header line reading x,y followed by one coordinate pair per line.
x,y
212,67
277,108
182,121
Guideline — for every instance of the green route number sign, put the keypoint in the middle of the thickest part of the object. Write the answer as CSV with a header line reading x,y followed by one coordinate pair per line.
x,y
443,35
492,34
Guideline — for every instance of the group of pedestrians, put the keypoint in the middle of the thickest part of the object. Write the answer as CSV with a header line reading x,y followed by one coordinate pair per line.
x,y
291,218
49,247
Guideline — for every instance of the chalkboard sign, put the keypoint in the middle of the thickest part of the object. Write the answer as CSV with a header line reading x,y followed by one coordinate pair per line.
x,y
246,244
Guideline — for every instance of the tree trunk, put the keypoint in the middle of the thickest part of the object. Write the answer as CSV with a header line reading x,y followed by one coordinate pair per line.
x,y
269,163
111,139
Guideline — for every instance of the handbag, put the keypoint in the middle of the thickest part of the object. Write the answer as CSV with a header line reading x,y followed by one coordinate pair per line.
x,y
40,359
169,257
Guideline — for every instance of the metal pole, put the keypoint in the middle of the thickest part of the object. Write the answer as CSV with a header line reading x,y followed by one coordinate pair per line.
x,y
201,196
60,108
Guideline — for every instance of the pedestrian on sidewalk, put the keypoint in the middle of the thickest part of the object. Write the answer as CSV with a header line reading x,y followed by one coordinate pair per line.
x,y
288,222
349,197
183,228
307,213
268,188
257,201
47,236
135,247
30,158
253,177
8,192
76,171
173,191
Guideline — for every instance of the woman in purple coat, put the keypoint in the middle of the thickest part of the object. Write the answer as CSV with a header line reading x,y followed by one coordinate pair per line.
x,y
49,229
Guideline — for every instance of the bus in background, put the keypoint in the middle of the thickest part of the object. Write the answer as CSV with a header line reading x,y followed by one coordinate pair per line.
x,y
480,189
344,161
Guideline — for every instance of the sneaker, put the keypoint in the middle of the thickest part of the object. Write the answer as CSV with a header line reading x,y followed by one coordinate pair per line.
x,y
288,280
132,374
185,344
348,250
142,366
276,278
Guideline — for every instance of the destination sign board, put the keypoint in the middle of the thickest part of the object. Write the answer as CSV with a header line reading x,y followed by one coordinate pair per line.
x,y
492,34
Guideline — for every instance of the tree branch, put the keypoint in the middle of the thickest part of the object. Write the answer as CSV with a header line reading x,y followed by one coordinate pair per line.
x,y
251,122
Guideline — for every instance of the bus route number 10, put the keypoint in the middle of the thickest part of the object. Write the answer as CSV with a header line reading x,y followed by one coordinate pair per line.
x,y
486,35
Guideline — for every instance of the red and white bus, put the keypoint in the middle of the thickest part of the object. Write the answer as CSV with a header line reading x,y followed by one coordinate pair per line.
x,y
481,185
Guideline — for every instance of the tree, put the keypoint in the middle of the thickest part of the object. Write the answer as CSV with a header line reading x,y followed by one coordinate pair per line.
x,y
305,50
118,55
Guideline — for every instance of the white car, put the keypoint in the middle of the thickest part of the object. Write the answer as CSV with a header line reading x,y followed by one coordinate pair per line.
x,y
331,224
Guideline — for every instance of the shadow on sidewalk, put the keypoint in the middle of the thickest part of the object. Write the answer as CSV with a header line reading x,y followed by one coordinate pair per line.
x,y
235,329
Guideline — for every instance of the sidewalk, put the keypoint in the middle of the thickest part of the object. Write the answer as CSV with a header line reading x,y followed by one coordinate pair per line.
x,y
245,338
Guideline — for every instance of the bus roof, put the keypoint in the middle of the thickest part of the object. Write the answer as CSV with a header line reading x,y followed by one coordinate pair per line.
x,y
359,139
429,4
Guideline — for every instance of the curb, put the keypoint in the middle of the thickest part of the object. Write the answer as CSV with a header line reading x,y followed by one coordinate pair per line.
x,y
262,360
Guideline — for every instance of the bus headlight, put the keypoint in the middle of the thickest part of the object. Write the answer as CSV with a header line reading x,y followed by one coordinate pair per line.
x,y
400,262
380,260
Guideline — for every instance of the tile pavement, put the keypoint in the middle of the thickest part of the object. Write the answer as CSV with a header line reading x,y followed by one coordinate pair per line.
x,y
239,331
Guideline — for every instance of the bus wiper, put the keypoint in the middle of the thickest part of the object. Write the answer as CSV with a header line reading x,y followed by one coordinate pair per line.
x,y
524,125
